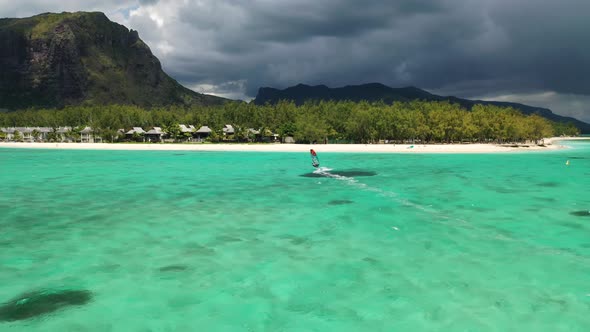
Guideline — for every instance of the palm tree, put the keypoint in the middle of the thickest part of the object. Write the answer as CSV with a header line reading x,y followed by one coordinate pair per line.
x,y
17,136
173,131
36,134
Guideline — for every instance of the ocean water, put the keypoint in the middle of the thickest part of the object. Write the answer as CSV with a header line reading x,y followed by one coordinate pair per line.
x,y
230,241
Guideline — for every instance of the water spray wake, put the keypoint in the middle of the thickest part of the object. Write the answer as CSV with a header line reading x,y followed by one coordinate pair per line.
x,y
349,180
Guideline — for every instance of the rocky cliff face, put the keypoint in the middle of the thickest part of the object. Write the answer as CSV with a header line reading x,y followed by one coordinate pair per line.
x,y
51,60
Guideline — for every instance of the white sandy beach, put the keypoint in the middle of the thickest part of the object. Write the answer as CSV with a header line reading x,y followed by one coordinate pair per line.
x,y
551,144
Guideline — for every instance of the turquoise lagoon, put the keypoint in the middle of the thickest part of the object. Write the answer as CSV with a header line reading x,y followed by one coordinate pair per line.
x,y
231,241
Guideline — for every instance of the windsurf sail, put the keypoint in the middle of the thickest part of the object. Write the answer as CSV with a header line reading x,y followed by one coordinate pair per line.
x,y
315,162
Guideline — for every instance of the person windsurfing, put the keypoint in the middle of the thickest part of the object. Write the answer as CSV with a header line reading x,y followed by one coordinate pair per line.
x,y
315,162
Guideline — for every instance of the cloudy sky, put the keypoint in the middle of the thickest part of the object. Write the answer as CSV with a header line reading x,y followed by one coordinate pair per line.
x,y
531,51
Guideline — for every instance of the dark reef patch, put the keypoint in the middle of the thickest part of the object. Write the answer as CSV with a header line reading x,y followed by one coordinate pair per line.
x,y
195,249
473,208
340,202
173,268
296,240
548,184
227,239
576,157
572,225
370,260
501,190
546,199
350,173
583,213
38,303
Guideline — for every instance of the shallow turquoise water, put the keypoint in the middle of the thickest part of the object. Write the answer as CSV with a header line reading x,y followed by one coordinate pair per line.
x,y
218,241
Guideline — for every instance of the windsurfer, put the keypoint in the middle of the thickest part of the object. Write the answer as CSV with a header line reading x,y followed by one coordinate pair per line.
x,y
315,162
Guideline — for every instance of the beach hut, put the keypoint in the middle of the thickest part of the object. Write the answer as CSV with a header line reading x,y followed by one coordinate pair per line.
x,y
187,132
86,135
228,130
253,134
203,132
135,133
155,134
187,129
63,134
134,130
43,132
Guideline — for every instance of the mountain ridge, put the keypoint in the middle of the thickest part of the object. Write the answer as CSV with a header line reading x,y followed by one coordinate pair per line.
x,y
373,92
59,59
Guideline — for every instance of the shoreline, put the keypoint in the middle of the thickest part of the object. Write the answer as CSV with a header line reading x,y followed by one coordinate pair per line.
x,y
270,147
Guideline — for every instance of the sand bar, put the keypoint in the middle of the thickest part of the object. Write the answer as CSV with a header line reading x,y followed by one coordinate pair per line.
x,y
551,144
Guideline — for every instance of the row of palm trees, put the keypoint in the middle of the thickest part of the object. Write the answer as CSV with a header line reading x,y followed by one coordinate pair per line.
x,y
358,122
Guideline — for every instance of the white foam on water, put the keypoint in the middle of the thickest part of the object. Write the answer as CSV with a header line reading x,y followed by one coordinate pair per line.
x,y
324,171
321,170
354,182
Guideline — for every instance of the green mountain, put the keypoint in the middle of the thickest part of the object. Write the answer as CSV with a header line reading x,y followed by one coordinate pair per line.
x,y
379,92
52,60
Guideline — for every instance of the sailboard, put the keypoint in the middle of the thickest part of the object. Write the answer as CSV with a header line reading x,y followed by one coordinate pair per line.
x,y
315,162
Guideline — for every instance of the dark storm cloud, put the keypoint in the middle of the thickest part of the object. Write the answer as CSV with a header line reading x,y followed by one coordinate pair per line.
x,y
335,42
537,46
296,21
548,44
292,22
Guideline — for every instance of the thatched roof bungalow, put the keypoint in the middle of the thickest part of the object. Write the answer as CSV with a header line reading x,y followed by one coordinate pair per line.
x,y
203,132
135,130
228,130
155,134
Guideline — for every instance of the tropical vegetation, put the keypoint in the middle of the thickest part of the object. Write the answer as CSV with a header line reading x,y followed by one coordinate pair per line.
x,y
351,122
